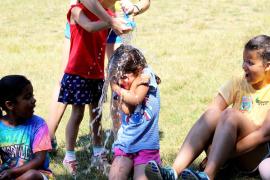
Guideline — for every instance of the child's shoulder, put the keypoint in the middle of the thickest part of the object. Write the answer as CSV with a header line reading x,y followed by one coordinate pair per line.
x,y
37,120
150,75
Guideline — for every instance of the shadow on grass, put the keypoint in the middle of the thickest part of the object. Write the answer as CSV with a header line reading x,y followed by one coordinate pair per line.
x,y
232,173
228,173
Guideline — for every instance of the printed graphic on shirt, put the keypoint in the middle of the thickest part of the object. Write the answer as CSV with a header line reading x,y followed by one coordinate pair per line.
x,y
261,102
16,154
142,111
18,144
246,104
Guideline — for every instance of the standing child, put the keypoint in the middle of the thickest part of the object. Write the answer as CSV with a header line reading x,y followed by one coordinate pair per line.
x,y
135,88
83,78
57,109
24,137
240,133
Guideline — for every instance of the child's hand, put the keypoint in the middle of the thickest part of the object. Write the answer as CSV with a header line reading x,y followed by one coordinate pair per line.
x,y
127,6
119,25
116,88
6,174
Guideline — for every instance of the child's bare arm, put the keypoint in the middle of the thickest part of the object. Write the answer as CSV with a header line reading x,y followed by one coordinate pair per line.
x,y
35,163
261,135
137,92
77,16
118,25
218,103
137,8
131,98
126,108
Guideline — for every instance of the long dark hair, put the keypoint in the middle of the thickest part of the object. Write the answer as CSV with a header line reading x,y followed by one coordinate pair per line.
x,y
11,87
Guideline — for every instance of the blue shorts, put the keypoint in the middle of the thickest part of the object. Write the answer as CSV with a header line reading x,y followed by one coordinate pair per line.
x,y
113,37
67,31
80,91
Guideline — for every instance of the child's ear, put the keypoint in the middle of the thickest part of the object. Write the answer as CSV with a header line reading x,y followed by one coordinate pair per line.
x,y
9,105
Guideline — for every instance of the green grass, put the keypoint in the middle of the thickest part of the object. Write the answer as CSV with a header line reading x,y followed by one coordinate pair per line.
x,y
194,46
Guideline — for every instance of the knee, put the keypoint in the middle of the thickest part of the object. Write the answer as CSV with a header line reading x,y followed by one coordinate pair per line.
x,y
118,171
229,116
264,169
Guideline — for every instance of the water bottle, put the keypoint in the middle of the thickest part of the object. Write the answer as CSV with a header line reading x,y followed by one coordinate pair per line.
x,y
130,23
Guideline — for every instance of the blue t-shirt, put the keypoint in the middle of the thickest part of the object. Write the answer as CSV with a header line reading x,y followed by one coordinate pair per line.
x,y
19,143
139,131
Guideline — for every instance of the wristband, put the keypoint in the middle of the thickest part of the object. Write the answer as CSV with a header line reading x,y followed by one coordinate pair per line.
x,y
137,7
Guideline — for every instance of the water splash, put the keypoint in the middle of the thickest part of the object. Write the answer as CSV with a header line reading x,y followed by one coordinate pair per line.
x,y
102,163
99,162
127,37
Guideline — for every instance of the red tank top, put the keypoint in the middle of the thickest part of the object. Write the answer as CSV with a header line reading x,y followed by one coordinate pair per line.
x,y
87,49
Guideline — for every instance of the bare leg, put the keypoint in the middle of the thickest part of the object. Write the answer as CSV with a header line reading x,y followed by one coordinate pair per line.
x,y
96,125
57,109
73,126
31,174
139,172
232,126
197,139
120,168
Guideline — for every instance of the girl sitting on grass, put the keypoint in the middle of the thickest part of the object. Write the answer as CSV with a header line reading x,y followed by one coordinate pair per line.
x,y
239,134
135,88
24,137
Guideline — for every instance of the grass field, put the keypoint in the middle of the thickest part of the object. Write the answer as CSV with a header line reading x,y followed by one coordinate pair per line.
x,y
194,46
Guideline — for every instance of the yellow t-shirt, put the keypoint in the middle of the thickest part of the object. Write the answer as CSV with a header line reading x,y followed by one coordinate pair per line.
x,y
242,96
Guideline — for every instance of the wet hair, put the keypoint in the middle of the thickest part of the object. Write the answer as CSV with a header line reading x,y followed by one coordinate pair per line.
x,y
127,59
260,43
11,87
